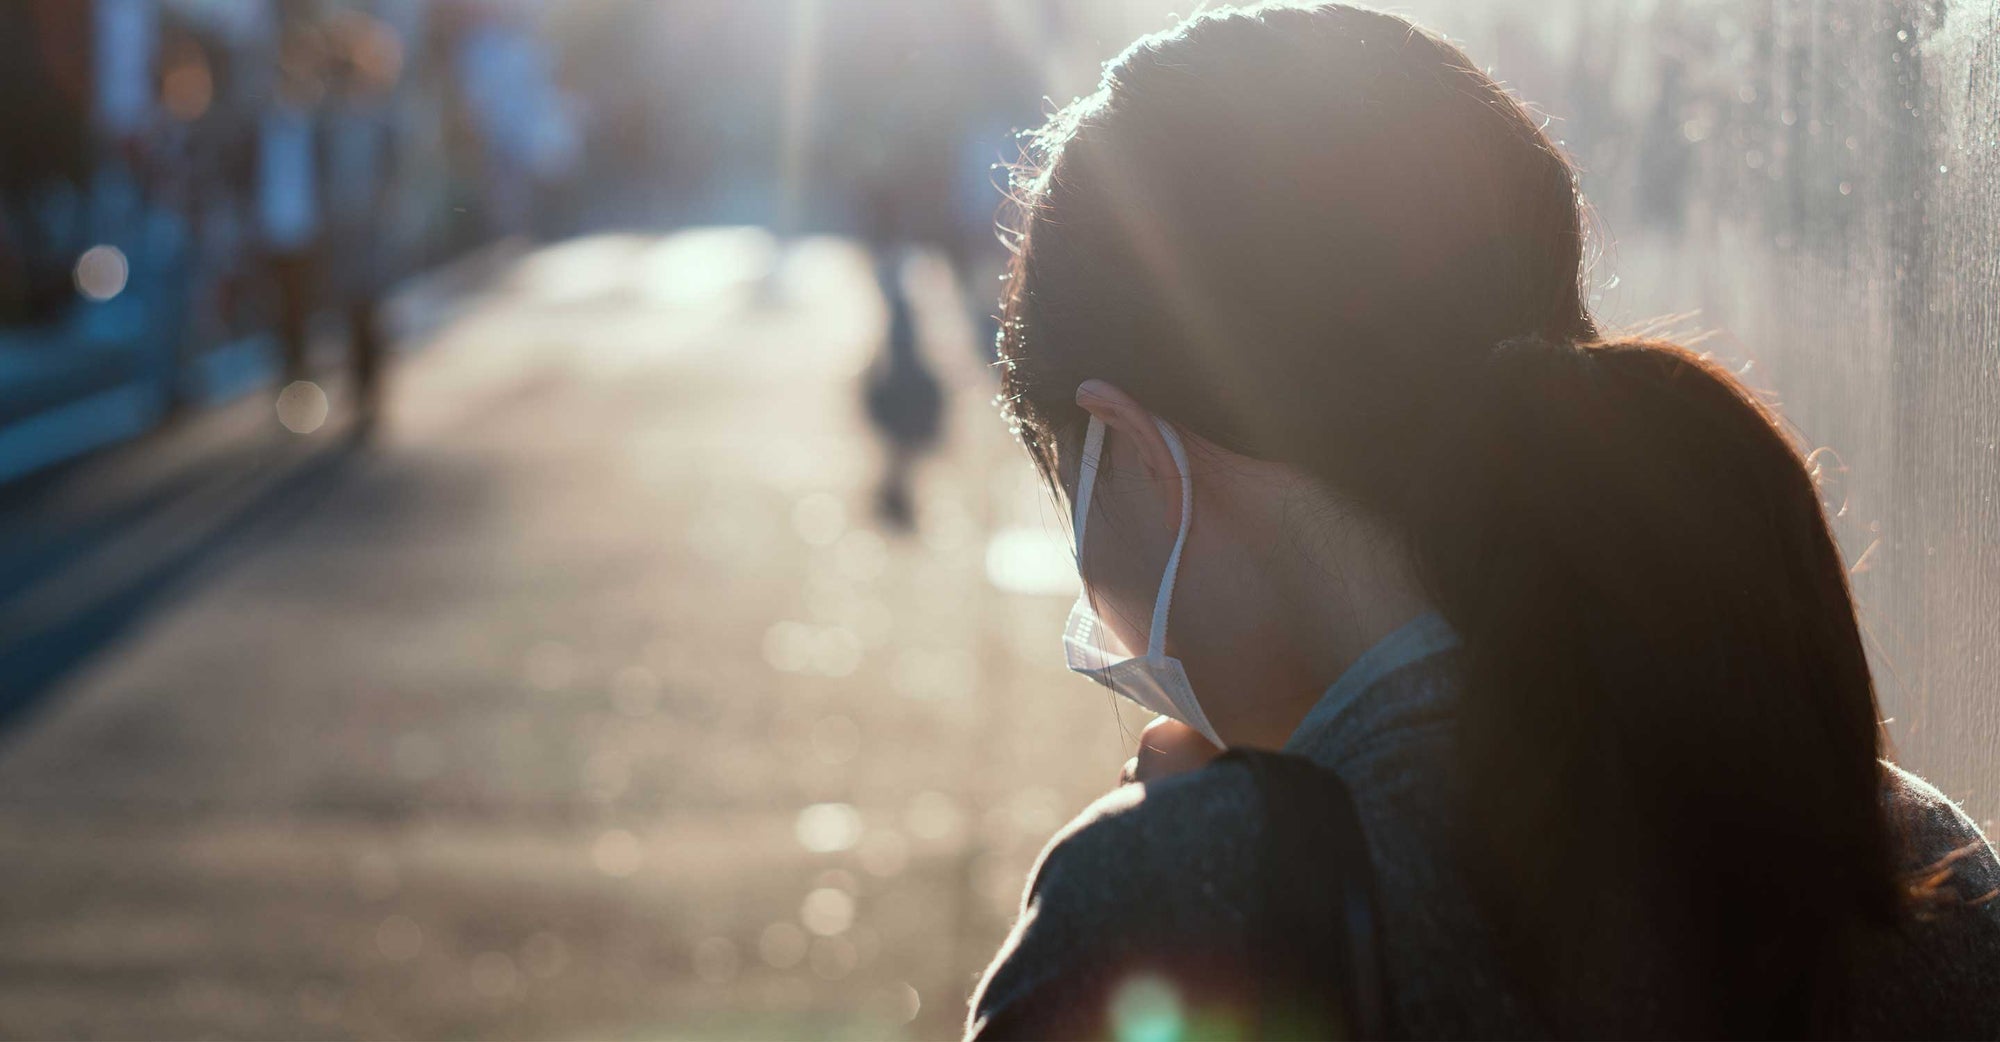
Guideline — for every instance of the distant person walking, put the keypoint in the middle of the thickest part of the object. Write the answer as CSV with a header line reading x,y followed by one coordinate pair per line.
x,y
288,197
362,165
904,400
325,178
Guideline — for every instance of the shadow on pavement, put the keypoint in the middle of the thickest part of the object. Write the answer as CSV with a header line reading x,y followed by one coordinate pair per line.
x,y
66,598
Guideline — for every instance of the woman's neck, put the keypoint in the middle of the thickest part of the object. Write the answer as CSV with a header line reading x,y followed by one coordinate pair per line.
x,y
1299,605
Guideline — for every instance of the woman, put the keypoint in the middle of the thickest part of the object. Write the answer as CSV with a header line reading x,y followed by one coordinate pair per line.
x,y
1296,321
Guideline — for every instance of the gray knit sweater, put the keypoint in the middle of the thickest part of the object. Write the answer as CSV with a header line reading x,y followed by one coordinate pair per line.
x,y
1170,866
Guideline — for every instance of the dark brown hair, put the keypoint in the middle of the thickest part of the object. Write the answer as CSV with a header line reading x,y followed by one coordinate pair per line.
x,y
1324,236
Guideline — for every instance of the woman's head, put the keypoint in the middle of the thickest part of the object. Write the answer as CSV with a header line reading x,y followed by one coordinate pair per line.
x,y
1323,241
1278,228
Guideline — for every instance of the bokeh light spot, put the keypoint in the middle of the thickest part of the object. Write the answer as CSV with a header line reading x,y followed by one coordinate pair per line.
x,y
798,647
788,646
836,652
101,272
782,945
824,828
302,407
827,911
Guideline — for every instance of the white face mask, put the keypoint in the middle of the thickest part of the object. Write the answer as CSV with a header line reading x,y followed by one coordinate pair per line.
x,y
1155,681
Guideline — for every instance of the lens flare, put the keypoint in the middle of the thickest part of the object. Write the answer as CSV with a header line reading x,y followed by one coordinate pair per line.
x,y
1147,1009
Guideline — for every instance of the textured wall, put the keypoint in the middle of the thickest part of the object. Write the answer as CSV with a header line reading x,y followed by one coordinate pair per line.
x,y
1814,187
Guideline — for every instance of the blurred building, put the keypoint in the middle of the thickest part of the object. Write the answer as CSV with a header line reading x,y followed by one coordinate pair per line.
x,y
161,155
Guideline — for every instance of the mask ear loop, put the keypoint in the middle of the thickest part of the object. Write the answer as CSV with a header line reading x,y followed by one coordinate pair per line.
x,y
1156,641
1086,482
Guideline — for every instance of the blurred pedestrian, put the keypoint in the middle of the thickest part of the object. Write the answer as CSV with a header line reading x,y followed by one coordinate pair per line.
x,y
904,400
1362,492
288,192
362,177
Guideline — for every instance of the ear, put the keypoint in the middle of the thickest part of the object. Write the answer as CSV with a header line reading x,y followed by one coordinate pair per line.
x,y
1130,423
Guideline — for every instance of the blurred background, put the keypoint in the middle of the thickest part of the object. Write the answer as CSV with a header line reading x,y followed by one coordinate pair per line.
x,y
506,532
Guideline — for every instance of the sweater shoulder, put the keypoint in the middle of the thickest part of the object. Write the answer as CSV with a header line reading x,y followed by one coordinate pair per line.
x,y
1182,848
1936,834
1163,866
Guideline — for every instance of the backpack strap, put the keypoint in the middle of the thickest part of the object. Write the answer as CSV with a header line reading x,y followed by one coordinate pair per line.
x,y
1315,935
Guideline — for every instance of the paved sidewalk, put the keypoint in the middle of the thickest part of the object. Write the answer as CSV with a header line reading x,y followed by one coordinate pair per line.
x,y
591,704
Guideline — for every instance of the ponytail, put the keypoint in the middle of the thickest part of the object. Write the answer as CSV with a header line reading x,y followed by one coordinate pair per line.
x,y
1670,731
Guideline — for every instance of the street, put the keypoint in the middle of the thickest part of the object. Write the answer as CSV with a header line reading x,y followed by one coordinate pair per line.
x,y
589,702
